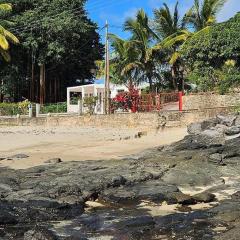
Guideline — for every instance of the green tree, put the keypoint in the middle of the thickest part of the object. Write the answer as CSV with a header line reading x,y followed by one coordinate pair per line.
x,y
5,35
199,16
167,23
58,38
168,26
202,15
124,67
208,55
142,38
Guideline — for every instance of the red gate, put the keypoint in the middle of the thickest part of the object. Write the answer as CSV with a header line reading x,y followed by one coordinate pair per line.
x,y
157,102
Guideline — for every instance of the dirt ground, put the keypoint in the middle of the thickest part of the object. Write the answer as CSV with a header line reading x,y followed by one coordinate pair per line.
x,y
77,144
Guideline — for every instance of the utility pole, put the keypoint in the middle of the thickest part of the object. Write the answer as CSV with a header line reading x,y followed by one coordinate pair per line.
x,y
107,78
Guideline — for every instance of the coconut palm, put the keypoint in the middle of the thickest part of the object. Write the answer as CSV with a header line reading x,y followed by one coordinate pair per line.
x,y
142,37
202,15
5,35
167,23
175,32
169,27
124,64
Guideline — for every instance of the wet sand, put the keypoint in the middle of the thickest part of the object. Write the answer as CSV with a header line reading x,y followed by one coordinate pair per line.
x,y
77,144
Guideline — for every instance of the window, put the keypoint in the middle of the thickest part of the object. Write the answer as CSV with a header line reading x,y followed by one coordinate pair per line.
x,y
74,97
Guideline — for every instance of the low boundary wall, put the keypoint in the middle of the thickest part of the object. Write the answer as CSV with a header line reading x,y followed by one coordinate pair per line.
x,y
141,121
203,101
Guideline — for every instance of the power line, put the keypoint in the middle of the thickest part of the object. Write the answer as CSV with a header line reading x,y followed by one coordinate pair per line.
x,y
55,16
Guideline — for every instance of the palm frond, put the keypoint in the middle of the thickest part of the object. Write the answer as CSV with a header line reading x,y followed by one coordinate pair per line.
x,y
6,56
174,58
5,7
217,5
3,43
176,38
9,36
166,22
130,67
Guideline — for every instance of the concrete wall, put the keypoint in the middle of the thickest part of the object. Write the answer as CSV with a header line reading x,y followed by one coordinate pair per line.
x,y
204,101
140,121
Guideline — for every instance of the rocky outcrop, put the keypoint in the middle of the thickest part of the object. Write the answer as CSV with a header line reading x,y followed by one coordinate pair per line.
x,y
49,202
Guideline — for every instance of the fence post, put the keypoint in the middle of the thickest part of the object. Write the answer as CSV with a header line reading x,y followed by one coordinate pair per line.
x,y
80,107
37,109
102,105
30,111
180,101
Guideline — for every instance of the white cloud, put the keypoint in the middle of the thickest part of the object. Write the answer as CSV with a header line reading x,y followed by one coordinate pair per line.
x,y
229,10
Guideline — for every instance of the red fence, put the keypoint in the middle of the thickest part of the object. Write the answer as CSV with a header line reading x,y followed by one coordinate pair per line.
x,y
147,102
157,102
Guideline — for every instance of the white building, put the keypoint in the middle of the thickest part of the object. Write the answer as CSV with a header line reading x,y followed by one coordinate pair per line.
x,y
74,94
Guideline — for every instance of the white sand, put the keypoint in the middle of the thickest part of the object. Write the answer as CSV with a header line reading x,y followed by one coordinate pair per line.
x,y
77,144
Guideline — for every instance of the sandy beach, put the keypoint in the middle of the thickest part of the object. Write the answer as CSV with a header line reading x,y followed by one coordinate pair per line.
x,y
77,144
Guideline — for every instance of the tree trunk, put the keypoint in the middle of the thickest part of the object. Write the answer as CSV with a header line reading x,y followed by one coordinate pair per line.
x,y
42,84
55,89
174,76
1,93
32,87
50,90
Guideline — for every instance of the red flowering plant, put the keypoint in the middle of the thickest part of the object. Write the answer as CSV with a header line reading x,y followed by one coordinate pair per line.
x,y
126,101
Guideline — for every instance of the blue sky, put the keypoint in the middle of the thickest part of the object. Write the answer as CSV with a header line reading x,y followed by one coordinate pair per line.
x,y
116,11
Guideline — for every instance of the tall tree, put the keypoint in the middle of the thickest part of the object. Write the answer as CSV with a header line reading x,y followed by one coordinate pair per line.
x,y
200,16
142,37
57,37
124,62
169,25
166,22
5,38
203,14
5,35
213,57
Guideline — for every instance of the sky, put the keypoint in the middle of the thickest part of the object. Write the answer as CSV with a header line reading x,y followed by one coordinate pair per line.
x,y
116,11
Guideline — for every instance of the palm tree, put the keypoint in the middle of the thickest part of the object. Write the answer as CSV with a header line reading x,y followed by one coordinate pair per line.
x,y
5,35
167,23
199,16
124,62
169,26
142,40
203,15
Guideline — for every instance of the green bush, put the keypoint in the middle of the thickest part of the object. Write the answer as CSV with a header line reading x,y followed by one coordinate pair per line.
x,y
90,103
212,57
221,80
54,108
11,109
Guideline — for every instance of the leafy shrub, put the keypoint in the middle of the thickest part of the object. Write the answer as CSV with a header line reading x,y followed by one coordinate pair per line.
x,y
221,80
212,57
90,103
11,109
54,108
